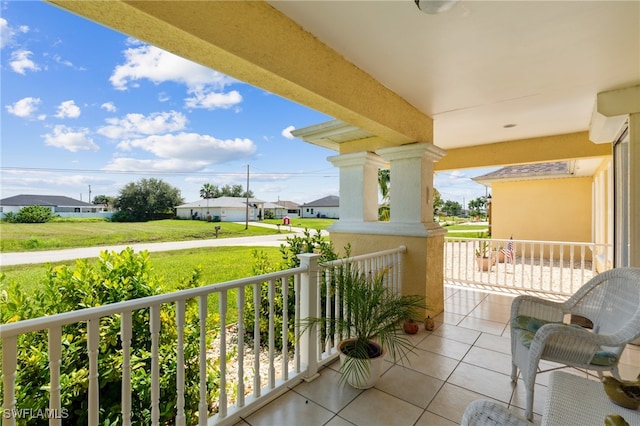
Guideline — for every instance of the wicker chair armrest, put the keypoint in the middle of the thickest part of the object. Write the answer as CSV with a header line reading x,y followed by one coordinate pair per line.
x,y
574,345
536,307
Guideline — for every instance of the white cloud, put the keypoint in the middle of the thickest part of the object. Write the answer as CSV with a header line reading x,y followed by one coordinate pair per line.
x,y
25,107
70,139
109,106
20,62
136,125
201,149
159,66
7,32
213,100
287,132
68,109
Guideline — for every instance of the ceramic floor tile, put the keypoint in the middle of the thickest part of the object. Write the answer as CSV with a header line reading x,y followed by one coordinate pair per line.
x,y
430,419
495,343
327,391
447,347
492,312
409,385
338,421
460,308
431,364
539,396
457,333
488,359
482,325
396,412
500,299
448,318
451,402
486,382
287,407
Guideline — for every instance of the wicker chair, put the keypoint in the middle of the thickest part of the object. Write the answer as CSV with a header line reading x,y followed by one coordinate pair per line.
x,y
482,412
610,300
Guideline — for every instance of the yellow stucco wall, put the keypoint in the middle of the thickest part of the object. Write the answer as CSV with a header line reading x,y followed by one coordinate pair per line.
x,y
545,209
423,262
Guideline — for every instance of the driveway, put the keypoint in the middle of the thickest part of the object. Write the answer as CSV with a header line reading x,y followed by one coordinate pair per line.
x,y
50,256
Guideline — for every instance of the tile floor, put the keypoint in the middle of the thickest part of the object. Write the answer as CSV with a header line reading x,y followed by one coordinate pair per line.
x,y
466,357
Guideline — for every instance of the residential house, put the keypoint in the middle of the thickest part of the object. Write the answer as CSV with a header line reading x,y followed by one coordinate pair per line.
x,y
326,207
543,201
222,209
279,209
58,204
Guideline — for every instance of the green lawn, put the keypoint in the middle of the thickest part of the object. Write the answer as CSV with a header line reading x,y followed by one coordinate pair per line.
x,y
17,237
310,223
219,264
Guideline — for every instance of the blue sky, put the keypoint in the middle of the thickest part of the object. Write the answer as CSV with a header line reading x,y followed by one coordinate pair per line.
x,y
87,107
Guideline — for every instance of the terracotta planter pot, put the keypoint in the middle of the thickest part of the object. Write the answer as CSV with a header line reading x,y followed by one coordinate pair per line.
x,y
485,263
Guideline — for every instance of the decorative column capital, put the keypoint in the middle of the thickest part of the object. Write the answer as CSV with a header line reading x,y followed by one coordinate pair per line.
x,y
413,150
357,159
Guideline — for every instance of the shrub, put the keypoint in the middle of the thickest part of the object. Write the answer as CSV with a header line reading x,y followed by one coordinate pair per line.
x,y
307,243
122,216
115,278
34,214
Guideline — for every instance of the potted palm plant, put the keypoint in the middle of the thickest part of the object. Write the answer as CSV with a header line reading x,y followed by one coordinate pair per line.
x,y
370,326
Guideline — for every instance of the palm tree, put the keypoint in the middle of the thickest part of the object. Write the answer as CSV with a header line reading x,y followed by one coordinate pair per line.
x,y
384,183
208,191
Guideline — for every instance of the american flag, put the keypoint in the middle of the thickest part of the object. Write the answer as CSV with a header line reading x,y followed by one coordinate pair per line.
x,y
509,252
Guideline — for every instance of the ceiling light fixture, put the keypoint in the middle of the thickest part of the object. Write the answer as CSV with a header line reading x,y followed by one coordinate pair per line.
x,y
433,7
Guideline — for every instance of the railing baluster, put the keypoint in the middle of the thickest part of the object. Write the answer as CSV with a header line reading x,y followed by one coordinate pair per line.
x,y
240,380
296,353
272,333
93,341
154,329
180,313
9,371
203,406
55,359
125,337
222,306
284,281
256,339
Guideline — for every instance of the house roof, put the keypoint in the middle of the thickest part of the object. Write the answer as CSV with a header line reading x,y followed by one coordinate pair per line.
x,y
290,205
559,169
328,201
43,200
226,202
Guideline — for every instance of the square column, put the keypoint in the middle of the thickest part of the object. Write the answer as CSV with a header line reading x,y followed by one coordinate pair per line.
x,y
412,181
358,186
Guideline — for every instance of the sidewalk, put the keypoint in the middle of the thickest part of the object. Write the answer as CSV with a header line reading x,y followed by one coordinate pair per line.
x,y
48,256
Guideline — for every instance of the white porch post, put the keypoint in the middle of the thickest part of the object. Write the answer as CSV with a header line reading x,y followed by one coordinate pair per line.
x,y
358,186
309,308
634,189
412,181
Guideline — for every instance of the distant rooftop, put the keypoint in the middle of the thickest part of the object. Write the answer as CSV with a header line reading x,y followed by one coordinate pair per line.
x,y
528,171
328,201
43,200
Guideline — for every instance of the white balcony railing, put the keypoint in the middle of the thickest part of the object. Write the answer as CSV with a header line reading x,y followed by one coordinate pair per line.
x,y
268,374
548,268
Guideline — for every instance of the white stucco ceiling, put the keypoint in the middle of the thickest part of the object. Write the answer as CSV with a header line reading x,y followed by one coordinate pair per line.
x,y
486,64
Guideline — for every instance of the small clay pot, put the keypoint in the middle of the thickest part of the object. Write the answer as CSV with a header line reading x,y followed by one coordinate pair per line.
x,y
429,325
410,326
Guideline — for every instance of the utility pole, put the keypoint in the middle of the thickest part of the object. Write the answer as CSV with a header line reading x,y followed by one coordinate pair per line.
x,y
246,222
90,194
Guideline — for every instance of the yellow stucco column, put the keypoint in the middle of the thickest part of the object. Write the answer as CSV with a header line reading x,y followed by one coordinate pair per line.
x,y
634,189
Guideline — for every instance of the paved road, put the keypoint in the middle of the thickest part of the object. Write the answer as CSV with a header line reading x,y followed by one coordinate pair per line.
x,y
47,256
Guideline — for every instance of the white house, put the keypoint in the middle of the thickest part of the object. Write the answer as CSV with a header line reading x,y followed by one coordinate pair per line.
x,y
280,209
327,207
58,204
222,209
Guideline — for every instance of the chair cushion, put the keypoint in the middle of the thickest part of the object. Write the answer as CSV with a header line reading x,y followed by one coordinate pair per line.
x,y
525,328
